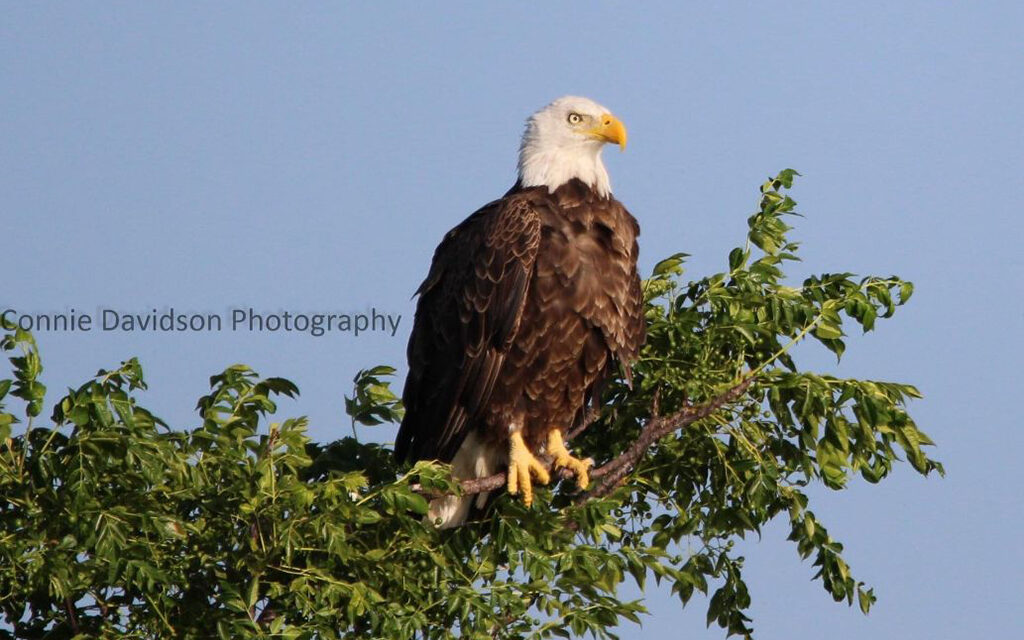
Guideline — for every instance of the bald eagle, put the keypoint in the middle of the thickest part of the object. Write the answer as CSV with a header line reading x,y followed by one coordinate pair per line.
x,y
528,305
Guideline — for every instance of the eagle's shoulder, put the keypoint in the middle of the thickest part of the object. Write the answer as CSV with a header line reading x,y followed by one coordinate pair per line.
x,y
508,227
468,312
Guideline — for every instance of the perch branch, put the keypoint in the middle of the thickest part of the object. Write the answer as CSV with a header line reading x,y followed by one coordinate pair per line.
x,y
612,473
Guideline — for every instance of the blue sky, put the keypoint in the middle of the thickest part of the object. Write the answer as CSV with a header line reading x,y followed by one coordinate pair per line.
x,y
307,157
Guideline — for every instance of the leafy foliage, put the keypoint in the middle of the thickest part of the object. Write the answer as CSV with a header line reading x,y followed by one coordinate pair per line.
x,y
112,524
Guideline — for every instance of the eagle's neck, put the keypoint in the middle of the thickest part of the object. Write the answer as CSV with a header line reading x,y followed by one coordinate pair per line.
x,y
553,167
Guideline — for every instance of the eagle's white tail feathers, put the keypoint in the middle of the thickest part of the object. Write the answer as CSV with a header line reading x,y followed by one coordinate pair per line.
x,y
474,459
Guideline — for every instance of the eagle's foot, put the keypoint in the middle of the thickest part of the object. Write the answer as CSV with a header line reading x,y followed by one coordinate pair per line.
x,y
580,468
522,468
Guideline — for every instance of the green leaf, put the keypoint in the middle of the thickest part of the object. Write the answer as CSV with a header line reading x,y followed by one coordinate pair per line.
x,y
866,598
670,265
827,331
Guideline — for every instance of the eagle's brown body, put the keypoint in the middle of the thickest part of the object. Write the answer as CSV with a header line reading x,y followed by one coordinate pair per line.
x,y
528,304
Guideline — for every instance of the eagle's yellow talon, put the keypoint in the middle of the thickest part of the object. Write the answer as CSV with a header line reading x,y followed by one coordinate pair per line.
x,y
562,458
523,467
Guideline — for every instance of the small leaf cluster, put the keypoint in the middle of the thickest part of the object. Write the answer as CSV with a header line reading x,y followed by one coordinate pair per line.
x,y
373,402
27,367
114,525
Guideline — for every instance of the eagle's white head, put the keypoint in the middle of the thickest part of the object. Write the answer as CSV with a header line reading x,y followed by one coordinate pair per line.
x,y
564,141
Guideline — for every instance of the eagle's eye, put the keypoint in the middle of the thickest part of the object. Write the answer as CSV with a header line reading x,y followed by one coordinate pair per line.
x,y
575,118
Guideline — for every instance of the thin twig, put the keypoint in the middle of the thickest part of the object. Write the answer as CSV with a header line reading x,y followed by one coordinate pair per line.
x,y
589,418
72,619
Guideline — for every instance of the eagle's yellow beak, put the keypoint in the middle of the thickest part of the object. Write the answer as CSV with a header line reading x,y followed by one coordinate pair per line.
x,y
611,129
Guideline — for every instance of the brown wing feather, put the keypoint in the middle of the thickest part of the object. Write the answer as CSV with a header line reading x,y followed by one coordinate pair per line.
x,y
467,315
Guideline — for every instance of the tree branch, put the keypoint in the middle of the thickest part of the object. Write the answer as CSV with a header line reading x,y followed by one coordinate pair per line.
x,y
612,473
615,471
